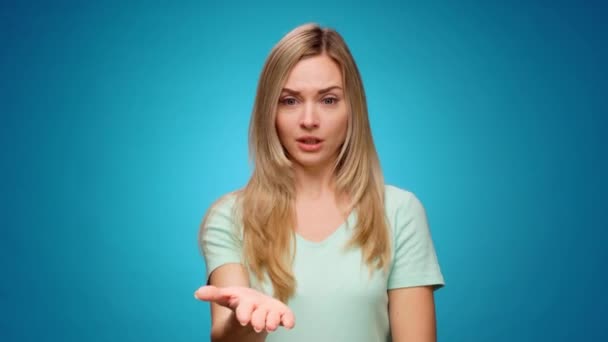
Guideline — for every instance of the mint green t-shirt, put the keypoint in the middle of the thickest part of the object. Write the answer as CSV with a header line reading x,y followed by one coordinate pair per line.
x,y
335,298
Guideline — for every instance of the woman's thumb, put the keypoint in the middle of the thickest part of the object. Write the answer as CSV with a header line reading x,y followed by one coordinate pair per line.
x,y
207,293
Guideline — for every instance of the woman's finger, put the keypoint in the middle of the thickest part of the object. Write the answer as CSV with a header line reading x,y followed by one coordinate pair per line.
x,y
243,311
288,319
273,319
223,296
208,293
258,318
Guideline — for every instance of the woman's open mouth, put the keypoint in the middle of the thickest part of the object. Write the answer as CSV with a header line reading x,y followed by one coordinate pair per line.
x,y
309,144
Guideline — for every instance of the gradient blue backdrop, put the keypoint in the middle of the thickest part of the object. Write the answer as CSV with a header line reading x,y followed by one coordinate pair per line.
x,y
121,123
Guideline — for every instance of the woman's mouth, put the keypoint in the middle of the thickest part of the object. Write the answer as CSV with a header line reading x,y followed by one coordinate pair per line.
x,y
309,144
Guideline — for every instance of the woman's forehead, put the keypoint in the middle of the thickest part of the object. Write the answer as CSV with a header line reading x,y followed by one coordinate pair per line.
x,y
313,74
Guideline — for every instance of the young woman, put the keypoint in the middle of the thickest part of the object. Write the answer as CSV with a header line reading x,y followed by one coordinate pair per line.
x,y
316,236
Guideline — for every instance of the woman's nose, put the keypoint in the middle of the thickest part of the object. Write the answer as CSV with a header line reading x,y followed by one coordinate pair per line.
x,y
309,119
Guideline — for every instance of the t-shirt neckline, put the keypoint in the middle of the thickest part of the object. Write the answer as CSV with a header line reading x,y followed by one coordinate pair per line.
x,y
338,231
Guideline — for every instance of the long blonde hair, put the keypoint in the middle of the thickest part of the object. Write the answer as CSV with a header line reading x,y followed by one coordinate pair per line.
x,y
266,203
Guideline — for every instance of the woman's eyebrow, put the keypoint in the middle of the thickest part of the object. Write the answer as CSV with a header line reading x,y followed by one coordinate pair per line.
x,y
321,91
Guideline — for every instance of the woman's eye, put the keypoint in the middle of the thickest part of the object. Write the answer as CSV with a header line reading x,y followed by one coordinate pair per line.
x,y
330,100
288,101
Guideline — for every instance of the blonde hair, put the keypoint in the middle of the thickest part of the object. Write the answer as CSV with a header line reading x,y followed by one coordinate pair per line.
x,y
266,203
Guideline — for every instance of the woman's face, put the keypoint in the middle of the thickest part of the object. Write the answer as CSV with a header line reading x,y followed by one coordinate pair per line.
x,y
312,114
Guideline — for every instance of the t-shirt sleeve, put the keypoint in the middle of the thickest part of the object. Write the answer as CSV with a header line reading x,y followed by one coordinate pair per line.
x,y
415,261
220,242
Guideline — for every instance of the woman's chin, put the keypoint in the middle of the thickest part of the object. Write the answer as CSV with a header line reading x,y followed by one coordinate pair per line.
x,y
311,162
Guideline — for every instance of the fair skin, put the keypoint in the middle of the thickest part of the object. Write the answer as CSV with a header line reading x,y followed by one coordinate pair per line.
x,y
312,104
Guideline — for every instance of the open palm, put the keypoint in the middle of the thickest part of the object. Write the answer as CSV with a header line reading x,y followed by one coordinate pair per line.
x,y
250,306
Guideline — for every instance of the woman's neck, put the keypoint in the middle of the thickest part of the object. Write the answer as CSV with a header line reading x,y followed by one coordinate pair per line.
x,y
312,184
317,187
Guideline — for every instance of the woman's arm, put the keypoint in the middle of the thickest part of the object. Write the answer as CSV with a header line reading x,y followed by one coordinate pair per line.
x,y
412,314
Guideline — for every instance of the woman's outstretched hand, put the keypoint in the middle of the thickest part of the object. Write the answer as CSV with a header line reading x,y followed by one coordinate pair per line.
x,y
250,306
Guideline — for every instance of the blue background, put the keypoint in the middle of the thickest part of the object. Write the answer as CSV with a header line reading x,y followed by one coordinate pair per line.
x,y
121,123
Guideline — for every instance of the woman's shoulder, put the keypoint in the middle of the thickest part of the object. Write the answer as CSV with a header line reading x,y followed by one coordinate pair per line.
x,y
223,206
227,200
395,197
401,203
